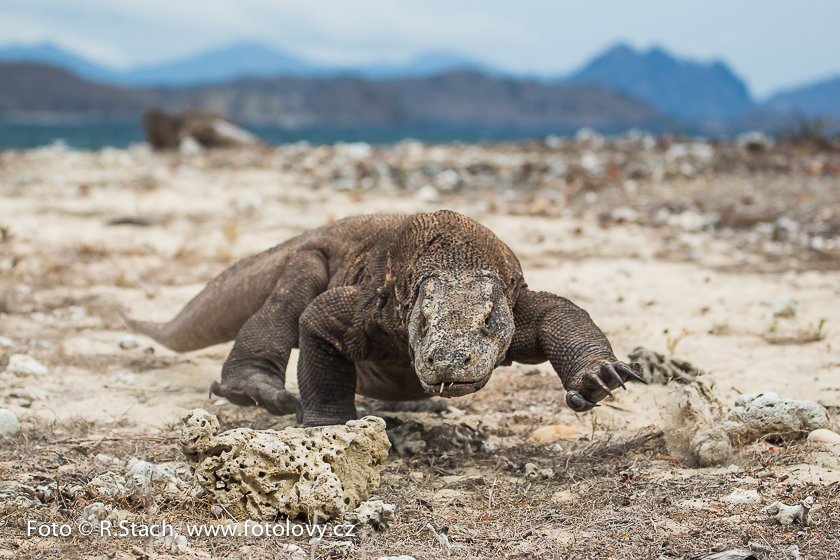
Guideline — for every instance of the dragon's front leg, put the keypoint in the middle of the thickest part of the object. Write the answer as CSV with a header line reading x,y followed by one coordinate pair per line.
x,y
550,327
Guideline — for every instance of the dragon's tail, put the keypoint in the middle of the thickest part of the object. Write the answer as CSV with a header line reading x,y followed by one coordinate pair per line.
x,y
226,303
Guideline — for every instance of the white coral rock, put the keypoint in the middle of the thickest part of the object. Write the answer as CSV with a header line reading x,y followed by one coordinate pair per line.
x,y
327,470
767,413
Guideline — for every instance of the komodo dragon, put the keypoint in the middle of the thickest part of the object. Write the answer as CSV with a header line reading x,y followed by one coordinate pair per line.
x,y
391,307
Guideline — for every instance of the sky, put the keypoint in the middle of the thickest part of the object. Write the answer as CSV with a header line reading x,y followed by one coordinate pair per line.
x,y
772,44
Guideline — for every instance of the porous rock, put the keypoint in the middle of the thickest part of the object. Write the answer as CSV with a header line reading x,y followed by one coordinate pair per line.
x,y
763,414
704,429
327,470
9,425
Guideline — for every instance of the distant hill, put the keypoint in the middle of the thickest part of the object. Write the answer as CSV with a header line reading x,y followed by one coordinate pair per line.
x,y
706,96
28,89
688,90
821,99
462,97
54,56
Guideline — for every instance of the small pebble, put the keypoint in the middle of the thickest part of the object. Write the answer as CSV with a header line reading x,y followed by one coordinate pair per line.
x,y
6,342
427,194
26,365
742,497
127,342
785,309
536,473
550,434
108,460
9,425
830,463
824,436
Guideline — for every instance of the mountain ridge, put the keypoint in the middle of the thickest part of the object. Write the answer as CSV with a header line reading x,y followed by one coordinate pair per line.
x,y
684,88
50,54
815,100
457,97
708,92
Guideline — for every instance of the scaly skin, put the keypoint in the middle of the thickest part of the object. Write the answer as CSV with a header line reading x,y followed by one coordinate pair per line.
x,y
390,307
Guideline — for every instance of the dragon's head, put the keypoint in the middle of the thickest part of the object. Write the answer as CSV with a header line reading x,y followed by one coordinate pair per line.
x,y
459,330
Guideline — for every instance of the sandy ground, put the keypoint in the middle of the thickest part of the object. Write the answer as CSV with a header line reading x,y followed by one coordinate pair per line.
x,y
66,270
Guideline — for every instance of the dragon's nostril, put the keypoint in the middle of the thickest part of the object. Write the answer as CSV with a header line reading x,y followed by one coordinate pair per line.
x,y
430,361
467,360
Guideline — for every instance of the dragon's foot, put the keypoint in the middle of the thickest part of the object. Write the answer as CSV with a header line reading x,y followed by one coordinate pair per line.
x,y
259,389
596,385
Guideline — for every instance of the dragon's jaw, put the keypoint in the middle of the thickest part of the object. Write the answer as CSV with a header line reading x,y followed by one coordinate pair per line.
x,y
454,388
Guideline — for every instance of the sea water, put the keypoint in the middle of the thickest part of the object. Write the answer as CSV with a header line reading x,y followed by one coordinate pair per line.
x,y
95,135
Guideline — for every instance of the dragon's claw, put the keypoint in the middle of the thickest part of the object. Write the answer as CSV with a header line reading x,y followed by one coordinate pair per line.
x,y
600,382
631,375
593,377
608,370
578,403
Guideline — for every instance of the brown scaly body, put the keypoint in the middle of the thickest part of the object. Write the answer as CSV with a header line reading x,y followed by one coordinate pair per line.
x,y
390,307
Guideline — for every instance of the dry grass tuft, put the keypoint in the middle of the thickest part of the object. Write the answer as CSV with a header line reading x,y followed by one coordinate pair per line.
x,y
802,336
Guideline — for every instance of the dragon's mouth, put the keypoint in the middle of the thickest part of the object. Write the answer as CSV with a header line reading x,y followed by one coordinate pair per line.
x,y
452,388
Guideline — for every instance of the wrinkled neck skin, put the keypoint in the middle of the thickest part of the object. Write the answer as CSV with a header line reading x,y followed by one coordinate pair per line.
x,y
459,330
